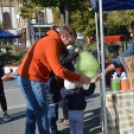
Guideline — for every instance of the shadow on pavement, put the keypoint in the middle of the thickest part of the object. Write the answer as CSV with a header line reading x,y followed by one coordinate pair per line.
x,y
91,123
93,96
15,117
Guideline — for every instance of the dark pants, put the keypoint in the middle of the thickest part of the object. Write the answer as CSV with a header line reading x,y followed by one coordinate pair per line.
x,y
2,97
64,109
53,116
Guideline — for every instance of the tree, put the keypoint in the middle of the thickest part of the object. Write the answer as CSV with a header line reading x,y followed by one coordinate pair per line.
x,y
83,21
3,26
65,7
82,18
29,9
117,21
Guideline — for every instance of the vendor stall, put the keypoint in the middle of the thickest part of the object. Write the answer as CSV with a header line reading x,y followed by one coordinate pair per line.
x,y
117,118
113,45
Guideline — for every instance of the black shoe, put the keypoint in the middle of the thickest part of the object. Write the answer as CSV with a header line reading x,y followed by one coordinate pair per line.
x,y
59,132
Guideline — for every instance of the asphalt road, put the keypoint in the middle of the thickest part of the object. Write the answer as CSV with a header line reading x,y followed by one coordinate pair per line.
x,y
17,110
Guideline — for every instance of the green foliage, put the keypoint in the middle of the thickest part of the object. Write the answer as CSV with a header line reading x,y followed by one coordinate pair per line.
x,y
84,22
57,21
81,18
13,55
9,58
29,9
3,26
117,21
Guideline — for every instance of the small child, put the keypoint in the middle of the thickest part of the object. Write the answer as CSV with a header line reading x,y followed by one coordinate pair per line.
x,y
76,103
53,96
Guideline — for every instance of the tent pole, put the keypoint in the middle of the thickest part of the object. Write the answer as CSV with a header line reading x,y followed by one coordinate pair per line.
x,y
103,70
97,37
98,57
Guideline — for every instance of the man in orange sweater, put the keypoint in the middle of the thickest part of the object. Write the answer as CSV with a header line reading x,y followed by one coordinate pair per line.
x,y
42,59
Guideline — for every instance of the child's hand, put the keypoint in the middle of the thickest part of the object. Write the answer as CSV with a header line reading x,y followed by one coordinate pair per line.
x,y
78,85
95,80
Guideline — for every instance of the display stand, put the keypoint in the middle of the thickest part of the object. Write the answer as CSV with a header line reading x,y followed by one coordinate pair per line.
x,y
100,6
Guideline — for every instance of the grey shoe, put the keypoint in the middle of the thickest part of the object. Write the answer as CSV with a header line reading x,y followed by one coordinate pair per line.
x,y
6,117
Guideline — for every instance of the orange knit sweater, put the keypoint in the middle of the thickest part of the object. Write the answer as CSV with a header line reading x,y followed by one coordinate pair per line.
x,y
43,57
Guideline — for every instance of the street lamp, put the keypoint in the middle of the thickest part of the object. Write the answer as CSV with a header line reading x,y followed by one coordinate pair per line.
x,y
18,18
38,23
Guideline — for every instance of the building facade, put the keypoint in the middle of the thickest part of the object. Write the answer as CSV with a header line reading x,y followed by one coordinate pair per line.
x,y
29,30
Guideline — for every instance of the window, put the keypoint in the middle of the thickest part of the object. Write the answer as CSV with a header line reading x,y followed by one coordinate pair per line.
x,y
37,35
7,20
40,18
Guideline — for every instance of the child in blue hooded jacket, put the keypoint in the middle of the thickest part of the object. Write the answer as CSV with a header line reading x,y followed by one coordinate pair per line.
x,y
76,103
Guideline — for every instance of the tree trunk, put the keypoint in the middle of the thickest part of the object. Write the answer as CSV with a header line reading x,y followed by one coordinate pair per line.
x,y
67,11
62,14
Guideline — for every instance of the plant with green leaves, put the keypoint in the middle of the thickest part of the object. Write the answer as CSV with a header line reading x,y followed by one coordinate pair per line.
x,y
29,9
81,18
3,26
65,7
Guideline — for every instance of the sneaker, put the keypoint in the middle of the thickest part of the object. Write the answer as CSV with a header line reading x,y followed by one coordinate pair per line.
x,y
6,117
57,132
66,122
59,121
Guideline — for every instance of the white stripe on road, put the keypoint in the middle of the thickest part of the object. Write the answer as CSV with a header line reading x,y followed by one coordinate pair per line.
x,y
16,106
9,90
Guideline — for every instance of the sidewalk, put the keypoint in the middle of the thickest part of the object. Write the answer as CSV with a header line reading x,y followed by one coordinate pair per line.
x,y
16,108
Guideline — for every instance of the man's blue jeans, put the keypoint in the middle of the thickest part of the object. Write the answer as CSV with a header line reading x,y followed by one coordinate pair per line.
x,y
35,97
53,116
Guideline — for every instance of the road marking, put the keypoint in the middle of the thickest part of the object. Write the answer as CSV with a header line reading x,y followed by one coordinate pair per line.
x,y
11,90
16,106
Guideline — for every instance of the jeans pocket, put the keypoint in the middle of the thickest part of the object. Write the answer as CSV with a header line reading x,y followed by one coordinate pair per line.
x,y
40,90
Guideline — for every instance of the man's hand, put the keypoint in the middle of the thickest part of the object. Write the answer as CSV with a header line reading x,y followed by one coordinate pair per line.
x,y
100,75
85,79
108,69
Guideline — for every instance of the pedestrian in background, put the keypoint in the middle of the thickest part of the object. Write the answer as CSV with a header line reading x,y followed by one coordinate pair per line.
x,y
40,61
3,102
67,56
